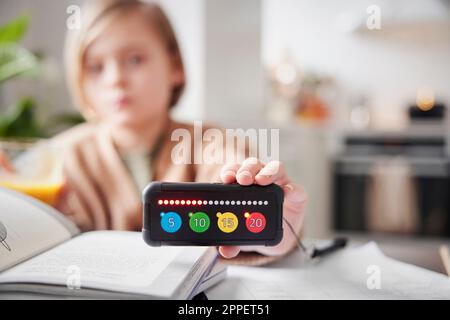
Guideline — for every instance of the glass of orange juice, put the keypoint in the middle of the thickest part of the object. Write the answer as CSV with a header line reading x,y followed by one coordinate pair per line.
x,y
35,168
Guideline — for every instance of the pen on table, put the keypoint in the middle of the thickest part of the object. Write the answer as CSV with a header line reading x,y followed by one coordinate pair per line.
x,y
336,244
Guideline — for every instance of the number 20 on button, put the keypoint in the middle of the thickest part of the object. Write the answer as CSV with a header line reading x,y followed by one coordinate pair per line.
x,y
255,221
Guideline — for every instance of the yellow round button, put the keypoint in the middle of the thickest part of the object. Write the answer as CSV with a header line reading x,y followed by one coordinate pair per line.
x,y
227,221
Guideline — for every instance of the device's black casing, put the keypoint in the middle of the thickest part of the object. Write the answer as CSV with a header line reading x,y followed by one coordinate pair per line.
x,y
158,187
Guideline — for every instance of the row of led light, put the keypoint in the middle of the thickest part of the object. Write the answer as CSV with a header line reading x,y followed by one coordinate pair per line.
x,y
211,202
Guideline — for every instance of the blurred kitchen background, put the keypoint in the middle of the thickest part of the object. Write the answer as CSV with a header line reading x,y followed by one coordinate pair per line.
x,y
361,104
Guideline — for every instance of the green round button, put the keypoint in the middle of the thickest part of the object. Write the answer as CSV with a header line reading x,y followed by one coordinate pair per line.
x,y
199,221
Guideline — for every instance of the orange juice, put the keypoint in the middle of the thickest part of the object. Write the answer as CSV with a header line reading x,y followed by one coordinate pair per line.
x,y
37,169
45,192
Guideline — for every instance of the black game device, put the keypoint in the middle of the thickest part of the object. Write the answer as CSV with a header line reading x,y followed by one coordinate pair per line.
x,y
212,214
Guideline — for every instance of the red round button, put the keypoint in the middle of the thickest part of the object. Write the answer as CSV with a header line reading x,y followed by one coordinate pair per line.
x,y
255,222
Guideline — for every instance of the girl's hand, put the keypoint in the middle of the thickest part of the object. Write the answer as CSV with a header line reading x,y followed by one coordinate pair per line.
x,y
5,164
252,171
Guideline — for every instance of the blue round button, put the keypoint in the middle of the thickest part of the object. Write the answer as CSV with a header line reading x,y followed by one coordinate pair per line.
x,y
170,221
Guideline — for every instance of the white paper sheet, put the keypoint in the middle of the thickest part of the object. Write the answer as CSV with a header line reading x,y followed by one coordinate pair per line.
x,y
353,273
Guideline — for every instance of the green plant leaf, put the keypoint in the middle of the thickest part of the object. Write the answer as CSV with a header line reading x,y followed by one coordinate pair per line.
x,y
15,60
14,30
21,122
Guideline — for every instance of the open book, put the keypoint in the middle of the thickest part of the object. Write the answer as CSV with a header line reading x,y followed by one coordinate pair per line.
x,y
43,252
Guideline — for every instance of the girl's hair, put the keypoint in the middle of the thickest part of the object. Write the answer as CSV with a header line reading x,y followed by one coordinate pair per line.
x,y
96,16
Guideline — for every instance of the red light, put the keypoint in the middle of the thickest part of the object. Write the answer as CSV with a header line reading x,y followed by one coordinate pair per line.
x,y
177,202
160,202
166,202
194,202
199,202
182,202
171,202
188,202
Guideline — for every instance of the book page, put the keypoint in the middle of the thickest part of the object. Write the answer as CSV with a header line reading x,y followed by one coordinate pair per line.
x,y
28,227
110,260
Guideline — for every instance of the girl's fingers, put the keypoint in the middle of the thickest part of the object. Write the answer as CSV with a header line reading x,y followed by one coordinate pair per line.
x,y
273,172
228,173
78,213
247,172
61,199
229,252
295,198
5,164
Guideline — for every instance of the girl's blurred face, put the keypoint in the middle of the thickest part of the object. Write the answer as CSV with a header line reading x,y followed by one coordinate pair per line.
x,y
128,73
